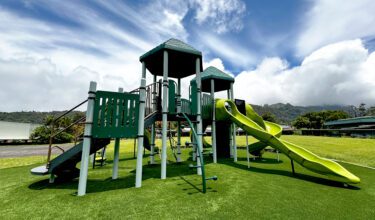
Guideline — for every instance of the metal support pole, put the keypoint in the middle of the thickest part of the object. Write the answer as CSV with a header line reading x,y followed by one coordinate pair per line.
x,y
178,140
164,117
291,162
141,125
52,178
230,129
213,127
154,107
116,159
116,155
178,121
86,141
247,151
152,146
194,143
278,156
134,147
234,129
199,117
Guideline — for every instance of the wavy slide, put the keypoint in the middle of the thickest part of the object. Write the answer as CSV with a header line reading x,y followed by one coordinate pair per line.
x,y
267,133
270,127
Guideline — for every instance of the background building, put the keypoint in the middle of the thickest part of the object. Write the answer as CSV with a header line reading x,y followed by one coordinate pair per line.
x,y
11,131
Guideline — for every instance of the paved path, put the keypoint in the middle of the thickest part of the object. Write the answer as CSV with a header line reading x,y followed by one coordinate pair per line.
x,y
29,150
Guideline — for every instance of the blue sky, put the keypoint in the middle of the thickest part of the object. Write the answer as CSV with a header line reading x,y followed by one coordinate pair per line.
x,y
279,51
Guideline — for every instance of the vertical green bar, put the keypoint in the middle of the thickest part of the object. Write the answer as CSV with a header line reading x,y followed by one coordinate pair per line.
x,y
172,97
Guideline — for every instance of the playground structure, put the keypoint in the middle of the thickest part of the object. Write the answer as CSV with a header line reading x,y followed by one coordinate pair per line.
x,y
115,115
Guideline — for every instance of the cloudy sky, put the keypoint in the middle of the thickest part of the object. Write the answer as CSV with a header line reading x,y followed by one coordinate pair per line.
x,y
307,52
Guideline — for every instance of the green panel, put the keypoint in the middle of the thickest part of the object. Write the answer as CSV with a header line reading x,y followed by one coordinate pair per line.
x,y
172,97
115,115
206,106
193,97
185,106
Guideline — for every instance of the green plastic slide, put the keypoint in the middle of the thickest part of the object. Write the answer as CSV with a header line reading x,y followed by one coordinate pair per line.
x,y
270,127
267,133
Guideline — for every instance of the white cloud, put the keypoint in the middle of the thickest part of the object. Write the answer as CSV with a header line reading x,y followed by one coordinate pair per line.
x,y
229,50
45,66
223,15
165,18
216,62
330,21
28,84
340,73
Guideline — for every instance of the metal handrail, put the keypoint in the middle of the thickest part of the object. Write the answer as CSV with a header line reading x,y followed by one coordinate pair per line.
x,y
52,135
75,107
152,94
59,148
66,128
137,89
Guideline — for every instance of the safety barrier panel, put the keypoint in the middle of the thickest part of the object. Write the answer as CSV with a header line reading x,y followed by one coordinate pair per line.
x,y
115,115
185,106
206,106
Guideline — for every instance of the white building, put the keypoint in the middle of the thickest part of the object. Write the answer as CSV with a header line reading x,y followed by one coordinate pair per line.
x,y
16,130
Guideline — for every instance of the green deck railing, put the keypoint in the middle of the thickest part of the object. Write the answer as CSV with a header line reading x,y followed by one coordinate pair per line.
x,y
115,115
206,107
172,97
185,106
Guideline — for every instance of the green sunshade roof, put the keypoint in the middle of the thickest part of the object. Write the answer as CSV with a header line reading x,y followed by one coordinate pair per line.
x,y
181,59
221,79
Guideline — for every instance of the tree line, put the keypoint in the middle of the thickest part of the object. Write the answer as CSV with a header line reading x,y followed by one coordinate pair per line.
x,y
316,119
62,127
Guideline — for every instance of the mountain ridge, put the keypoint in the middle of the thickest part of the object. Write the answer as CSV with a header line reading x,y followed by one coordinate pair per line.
x,y
285,113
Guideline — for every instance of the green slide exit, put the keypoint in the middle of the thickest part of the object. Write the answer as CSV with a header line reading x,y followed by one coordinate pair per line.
x,y
268,134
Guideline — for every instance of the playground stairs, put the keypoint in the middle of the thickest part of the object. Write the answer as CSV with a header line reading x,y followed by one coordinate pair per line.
x,y
64,165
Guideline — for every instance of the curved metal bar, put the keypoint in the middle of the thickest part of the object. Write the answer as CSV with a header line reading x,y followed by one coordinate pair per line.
x,y
59,148
200,153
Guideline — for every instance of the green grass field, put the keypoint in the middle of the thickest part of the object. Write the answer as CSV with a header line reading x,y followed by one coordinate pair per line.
x,y
267,190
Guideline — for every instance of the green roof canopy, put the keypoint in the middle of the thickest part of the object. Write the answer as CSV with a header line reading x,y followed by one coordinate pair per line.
x,y
358,120
181,59
222,80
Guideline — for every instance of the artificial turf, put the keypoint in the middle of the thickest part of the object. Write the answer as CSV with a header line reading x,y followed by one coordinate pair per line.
x,y
268,190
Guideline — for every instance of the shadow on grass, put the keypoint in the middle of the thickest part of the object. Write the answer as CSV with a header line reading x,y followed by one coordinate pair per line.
x,y
108,184
194,187
300,176
261,160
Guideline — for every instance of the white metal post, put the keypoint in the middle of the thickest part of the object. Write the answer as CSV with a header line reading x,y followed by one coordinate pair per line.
x,y
52,178
154,107
247,151
178,121
116,159
199,117
213,126
234,128
164,117
86,141
116,153
230,129
141,125
278,156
